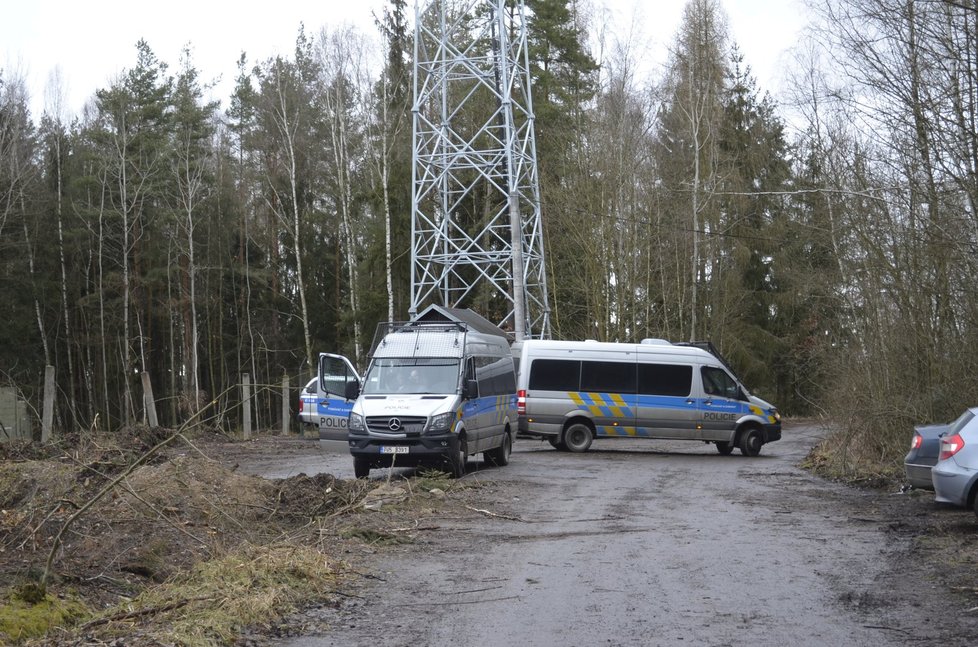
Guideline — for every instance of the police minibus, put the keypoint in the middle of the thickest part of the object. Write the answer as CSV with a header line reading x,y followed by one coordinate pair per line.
x,y
434,393
571,392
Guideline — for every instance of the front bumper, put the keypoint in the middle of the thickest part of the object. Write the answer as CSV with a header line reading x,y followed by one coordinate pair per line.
x,y
420,449
772,432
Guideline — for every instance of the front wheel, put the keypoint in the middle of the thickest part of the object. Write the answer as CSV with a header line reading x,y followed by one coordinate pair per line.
x,y
361,467
500,455
750,442
578,437
456,460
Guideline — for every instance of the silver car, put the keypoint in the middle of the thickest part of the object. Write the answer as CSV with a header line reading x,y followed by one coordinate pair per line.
x,y
955,475
309,404
925,447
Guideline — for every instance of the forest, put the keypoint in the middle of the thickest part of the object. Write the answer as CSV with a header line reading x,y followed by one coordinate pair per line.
x,y
826,244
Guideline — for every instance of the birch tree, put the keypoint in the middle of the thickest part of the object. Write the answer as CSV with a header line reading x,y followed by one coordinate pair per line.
x,y
133,123
344,86
287,108
689,138
192,133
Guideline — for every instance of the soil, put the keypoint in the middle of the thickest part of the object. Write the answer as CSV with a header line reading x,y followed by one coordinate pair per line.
x,y
914,563
186,504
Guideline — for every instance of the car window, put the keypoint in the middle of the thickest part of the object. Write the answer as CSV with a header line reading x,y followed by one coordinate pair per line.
x,y
717,382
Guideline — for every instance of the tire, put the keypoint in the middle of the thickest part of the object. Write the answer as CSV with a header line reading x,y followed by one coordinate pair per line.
x,y
500,455
725,447
750,442
578,437
456,460
361,467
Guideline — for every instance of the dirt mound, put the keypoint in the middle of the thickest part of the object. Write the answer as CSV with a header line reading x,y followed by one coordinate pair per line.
x,y
302,497
158,520
130,537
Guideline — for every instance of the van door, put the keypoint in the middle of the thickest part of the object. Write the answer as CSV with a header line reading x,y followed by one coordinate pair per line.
x,y
473,410
336,374
721,406
666,407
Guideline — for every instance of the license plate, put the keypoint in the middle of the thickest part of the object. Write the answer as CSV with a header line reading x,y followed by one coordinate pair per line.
x,y
394,449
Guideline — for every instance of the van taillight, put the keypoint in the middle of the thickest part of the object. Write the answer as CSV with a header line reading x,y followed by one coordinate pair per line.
x,y
300,405
521,402
951,446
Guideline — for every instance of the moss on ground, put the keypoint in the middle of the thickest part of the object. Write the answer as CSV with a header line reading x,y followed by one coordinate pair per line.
x,y
21,620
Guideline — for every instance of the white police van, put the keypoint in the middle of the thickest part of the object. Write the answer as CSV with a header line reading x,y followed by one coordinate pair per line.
x,y
436,392
571,392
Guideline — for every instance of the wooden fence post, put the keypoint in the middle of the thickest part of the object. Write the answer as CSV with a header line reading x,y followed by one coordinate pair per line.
x,y
246,406
285,405
149,402
47,416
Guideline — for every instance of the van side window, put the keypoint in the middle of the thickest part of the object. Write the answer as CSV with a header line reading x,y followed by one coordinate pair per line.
x,y
555,375
665,379
608,377
717,382
495,375
506,380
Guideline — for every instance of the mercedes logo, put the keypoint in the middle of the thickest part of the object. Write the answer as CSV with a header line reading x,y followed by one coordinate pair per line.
x,y
394,424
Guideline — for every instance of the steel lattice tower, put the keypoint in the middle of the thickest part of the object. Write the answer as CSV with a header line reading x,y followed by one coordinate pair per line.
x,y
475,212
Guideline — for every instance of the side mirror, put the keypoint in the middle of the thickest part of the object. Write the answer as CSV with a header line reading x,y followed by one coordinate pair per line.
x,y
471,389
352,390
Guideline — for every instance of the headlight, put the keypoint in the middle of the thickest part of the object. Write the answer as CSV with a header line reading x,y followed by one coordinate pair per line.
x,y
776,414
356,422
442,422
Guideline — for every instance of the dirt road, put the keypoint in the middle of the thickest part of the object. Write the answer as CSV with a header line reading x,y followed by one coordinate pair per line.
x,y
638,543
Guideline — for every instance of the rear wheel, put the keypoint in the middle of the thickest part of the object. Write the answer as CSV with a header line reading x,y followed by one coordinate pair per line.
x,y
456,460
725,447
361,467
500,455
750,442
578,437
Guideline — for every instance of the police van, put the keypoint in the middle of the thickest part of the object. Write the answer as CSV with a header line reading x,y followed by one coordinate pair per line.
x,y
571,392
435,392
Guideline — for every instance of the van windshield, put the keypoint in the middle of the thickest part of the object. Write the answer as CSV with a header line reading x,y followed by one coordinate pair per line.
x,y
412,375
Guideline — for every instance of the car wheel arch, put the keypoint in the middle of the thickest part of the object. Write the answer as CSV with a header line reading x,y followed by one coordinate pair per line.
x,y
577,419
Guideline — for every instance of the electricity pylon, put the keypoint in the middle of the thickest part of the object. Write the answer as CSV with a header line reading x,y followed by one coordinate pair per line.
x,y
475,208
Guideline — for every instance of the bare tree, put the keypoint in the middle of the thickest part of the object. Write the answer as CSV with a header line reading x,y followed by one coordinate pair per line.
x,y
345,85
56,127
694,92
191,149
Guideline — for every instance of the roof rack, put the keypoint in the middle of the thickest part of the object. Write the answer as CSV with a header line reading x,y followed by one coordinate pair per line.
x,y
709,347
413,332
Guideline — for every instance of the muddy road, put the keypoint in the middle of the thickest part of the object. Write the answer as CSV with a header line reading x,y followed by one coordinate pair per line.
x,y
640,543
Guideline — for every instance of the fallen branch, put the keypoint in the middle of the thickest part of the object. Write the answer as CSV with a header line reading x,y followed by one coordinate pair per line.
x,y
130,615
495,514
443,603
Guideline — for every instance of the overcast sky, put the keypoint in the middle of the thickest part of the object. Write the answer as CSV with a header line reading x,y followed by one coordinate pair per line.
x,y
93,42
